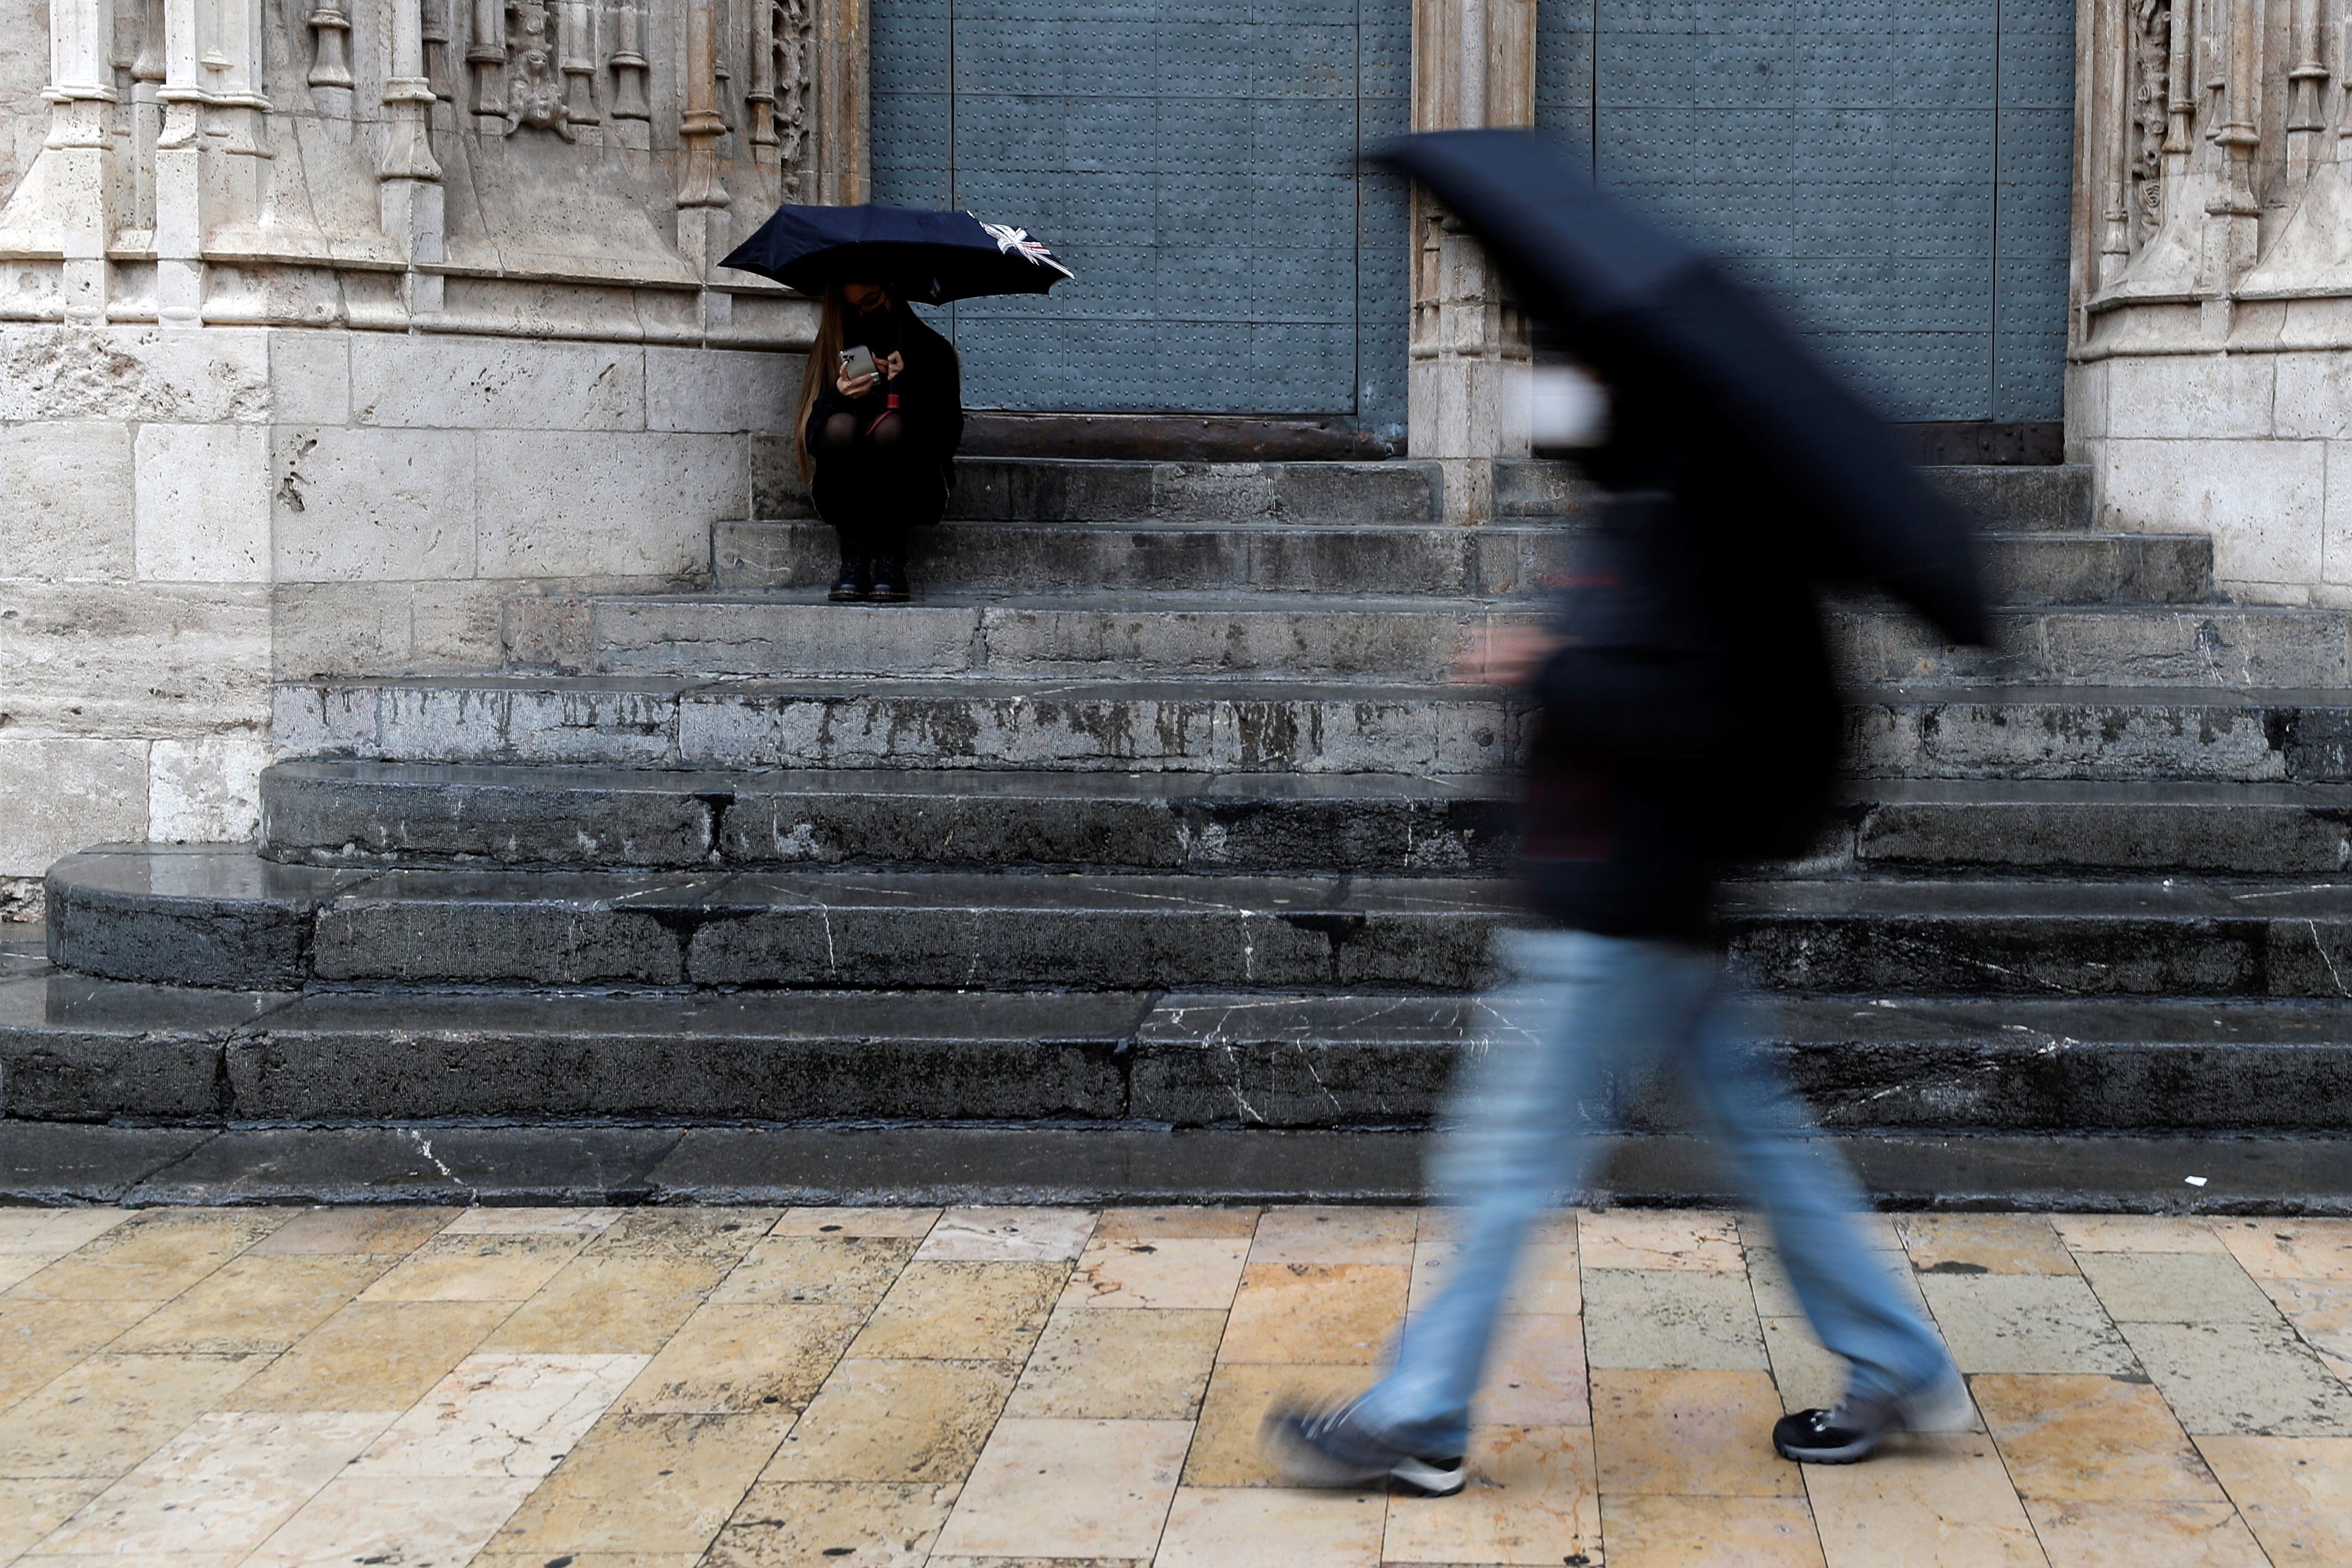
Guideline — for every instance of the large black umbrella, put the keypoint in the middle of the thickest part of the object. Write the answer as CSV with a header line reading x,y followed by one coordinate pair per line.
x,y
1636,300
930,257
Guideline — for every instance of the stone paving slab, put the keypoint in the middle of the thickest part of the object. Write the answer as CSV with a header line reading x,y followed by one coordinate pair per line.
x,y
739,1387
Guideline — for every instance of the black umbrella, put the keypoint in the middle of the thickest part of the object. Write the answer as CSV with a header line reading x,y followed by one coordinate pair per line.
x,y
1639,302
930,257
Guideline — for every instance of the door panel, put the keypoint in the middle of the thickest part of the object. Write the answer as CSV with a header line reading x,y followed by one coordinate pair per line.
x,y
1899,175
1196,165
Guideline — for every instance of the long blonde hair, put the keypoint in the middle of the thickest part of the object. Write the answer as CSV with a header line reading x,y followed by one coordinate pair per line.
x,y
824,363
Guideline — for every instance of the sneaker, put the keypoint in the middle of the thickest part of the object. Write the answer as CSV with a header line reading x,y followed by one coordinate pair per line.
x,y
1330,1447
855,582
1850,1433
889,581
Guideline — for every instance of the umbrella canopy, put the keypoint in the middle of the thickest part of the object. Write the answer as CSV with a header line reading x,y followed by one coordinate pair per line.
x,y
927,256
1637,300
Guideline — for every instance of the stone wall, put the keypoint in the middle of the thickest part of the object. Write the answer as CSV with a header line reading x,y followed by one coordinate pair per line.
x,y
325,329
2211,381
190,515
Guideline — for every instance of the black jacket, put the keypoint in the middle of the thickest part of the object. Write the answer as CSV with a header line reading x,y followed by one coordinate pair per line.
x,y
1691,723
929,392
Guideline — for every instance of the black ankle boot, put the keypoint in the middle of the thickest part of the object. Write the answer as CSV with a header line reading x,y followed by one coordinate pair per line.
x,y
889,581
854,585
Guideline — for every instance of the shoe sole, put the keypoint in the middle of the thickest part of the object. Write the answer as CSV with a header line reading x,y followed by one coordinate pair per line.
x,y
1850,1453
1420,1478
1308,1467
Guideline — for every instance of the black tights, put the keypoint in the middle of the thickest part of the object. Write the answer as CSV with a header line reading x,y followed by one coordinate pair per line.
x,y
839,437
869,485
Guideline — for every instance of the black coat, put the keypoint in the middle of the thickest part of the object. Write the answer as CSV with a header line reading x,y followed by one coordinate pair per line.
x,y
1692,724
930,391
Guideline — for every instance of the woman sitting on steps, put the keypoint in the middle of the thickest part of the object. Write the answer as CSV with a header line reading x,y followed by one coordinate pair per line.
x,y
881,414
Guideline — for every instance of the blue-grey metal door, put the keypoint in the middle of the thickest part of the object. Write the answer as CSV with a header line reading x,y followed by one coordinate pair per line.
x,y
1899,171
1196,164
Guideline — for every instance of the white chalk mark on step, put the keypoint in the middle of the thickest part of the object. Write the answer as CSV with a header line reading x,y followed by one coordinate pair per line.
x,y
425,1147
2326,958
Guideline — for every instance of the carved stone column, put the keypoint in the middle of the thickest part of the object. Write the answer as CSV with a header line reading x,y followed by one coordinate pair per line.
x,y
77,161
408,189
702,198
1473,64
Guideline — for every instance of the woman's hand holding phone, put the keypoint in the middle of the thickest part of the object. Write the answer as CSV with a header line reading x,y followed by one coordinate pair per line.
x,y
860,370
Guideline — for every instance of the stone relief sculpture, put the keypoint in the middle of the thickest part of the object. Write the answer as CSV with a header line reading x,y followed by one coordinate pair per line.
x,y
2151,107
2206,125
315,161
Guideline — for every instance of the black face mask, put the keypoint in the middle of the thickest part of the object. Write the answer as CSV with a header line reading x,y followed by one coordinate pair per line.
x,y
877,328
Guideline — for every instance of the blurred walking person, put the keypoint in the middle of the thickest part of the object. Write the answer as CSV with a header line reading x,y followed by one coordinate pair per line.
x,y
1689,724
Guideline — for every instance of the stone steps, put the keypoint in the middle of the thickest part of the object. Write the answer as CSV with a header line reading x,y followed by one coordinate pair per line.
x,y
376,814
221,916
2020,568
2056,731
379,813
1366,639
1097,490
1155,812
79,1049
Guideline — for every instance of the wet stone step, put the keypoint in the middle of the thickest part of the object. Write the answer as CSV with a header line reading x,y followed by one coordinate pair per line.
x,y
2176,937
113,916
1277,558
1187,726
2094,732
1210,727
1379,640
375,814
2220,647
78,1049
2036,498
877,931
1047,490
2228,829
1080,636
1958,1064
2020,568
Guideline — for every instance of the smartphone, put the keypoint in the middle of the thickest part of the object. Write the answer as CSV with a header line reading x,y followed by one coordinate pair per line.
x,y
857,362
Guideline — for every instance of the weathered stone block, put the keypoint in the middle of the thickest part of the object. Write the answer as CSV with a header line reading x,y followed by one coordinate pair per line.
x,y
310,378
450,383
68,507
387,629
356,505
207,789
564,504
718,391
203,503
133,374
125,659
75,1049
2201,396
2261,500
62,795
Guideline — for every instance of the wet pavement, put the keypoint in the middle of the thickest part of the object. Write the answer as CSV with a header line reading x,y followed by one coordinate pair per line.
x,y
660,1387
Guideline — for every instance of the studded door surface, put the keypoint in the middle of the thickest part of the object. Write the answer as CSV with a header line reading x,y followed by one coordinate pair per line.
x,y
1195,165
1898,172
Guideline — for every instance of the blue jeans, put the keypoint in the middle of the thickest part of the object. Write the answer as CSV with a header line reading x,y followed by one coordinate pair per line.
x,y
1585,1014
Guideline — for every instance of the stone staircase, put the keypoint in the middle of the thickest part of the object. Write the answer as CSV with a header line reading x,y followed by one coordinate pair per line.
x,y
1156,811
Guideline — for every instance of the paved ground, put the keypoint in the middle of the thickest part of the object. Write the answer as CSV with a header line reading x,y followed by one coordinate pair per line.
x,y
655,1388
